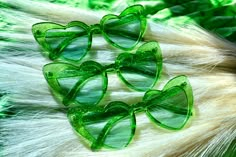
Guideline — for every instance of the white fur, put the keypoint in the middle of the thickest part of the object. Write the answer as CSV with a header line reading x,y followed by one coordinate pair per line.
x,y
41,128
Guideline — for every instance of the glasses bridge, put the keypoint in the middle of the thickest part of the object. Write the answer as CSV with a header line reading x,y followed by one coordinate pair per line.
x,y
95,29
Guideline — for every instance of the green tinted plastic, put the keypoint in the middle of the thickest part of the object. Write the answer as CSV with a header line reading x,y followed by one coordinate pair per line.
x,y
87,84
92,91
114,125
71,42
173,106
125,30
76,85
140,70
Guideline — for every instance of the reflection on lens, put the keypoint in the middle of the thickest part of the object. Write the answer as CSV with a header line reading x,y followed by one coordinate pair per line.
x,y
170,109
124,32
71,43
114,125
68,83
92,91
120,134
141,73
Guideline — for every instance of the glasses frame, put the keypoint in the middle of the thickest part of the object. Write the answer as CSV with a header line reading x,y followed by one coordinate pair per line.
x,y
76,114
39,31
92,68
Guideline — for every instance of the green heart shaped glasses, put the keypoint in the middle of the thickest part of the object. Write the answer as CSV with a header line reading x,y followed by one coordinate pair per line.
x,y
87,84
114,125
71,42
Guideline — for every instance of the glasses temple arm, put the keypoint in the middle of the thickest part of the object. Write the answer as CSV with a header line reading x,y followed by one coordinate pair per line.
x,y
72,93
124,33
101,137
138,70
70,36
63,34
174,109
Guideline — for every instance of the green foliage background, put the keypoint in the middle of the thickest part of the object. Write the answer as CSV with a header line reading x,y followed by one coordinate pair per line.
x,y
216,16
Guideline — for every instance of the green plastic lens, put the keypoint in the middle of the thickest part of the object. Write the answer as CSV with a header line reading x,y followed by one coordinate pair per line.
x,y
76,85
170,109
71,42
87,84
111,127
114,125
141,70
124,32
92,91
173,106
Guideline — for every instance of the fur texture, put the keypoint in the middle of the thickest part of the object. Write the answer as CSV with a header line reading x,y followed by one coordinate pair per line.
x,y
39,126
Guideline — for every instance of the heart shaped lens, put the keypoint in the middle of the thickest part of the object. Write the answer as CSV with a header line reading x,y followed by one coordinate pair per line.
x,y
124,32
112,127
170,108
76,85
140,71
184,83
91,92
69,42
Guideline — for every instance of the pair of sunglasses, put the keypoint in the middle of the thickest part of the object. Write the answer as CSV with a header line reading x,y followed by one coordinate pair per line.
x,y
73,41
87,84
113,126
